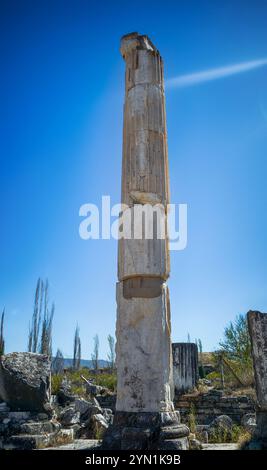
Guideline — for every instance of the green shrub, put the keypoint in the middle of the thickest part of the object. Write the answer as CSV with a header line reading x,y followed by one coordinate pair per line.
x,y
192,418
236,434
78,390
107,380
56,381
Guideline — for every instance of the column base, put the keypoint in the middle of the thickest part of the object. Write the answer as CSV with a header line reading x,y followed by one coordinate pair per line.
x,y
146,431
259,438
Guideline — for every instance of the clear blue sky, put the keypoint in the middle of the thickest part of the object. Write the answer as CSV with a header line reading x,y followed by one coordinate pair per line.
x,y
62,85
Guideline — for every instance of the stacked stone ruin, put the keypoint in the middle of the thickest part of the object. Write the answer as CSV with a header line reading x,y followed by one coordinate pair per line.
x,y
212,404
26,418
30,418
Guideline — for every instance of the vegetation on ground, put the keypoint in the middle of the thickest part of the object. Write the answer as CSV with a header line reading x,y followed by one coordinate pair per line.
x,y
103,379
237,434
192,418
233,361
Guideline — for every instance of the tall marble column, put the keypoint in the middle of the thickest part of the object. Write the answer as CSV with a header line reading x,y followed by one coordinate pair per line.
x,y
145,416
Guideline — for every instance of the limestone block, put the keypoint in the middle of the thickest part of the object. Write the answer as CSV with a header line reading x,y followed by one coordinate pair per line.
x,y
144,109
145,253
145,165
25,381
143,258
143,352
257,323
69,416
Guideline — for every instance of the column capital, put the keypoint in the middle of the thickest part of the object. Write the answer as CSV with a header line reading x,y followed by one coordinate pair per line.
x,y
133,41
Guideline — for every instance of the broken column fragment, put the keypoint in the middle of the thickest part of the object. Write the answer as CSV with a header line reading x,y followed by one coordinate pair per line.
x,y
257,324
145,416
185,367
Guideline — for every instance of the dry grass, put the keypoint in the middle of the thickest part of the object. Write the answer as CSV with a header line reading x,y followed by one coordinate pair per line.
x,y
248,391
107,380
237,434
243,438
206,357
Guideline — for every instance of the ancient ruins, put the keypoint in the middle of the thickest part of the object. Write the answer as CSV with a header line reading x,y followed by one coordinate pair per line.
x,y
154,376
30,418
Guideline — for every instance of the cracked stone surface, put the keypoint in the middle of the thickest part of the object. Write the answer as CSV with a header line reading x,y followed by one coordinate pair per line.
x,y
25,381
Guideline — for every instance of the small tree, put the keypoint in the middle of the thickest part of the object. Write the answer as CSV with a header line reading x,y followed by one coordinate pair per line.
x,y
235,353
201,368
77,349
111,354
46,335
2,341
95,355
236,343
40,331
34,330
58,363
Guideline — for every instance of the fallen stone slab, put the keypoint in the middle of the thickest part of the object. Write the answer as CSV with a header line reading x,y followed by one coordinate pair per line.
x,y
30,441
69,416
82,406
25,383
78,444
41,427
27,442
220,446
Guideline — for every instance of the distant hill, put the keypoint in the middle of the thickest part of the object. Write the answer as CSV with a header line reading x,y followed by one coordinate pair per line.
x,y
85,363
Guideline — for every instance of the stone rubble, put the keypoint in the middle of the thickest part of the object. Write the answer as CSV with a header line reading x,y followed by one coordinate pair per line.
x,y
221,426
32,418
207,406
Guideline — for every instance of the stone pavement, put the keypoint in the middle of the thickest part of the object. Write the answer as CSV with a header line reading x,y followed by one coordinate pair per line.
x,y
221,446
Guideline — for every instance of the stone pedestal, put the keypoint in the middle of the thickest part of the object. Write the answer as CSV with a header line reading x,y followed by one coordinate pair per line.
x,y
147,431
257,323
144,417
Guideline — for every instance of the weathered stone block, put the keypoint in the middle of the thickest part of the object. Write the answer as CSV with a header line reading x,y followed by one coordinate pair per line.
x,y
257,323
143,353
69,416
25,381
144,256
185,366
